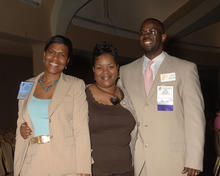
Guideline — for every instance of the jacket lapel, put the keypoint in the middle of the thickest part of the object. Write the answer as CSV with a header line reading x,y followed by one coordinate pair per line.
x,y
140,76
27,101
62,88
60,91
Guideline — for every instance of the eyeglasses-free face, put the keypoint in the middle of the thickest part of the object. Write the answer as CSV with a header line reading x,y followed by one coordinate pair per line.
x,y
105,71
56,58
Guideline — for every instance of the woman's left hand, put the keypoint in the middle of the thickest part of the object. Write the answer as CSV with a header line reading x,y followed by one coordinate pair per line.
x,y
25,131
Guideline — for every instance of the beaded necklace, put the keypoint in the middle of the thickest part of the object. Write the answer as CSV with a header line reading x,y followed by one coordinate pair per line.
x,y
47,88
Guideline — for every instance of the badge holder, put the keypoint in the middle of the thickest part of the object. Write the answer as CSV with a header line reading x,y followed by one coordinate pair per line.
x,y
24,90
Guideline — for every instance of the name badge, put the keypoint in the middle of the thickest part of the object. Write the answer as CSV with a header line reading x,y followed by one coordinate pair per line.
x,y
165,98
167,77
24,90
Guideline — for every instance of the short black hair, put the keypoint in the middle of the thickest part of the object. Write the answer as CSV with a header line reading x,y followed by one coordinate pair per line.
x,y
103,48
157,21
61,40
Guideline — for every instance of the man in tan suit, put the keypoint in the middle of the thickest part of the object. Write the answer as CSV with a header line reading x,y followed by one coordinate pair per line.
x,y
170,116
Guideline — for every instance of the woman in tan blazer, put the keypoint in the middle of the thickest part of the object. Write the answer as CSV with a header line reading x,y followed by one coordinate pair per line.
x,y
56,112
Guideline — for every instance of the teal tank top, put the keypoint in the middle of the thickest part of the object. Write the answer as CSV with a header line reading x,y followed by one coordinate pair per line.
x,y
38,112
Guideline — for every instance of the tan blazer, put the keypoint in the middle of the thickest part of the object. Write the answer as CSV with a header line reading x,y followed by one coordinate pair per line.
x,y
68,124
167,141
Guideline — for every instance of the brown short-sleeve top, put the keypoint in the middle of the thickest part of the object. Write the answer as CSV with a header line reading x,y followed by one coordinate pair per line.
x,y
110,127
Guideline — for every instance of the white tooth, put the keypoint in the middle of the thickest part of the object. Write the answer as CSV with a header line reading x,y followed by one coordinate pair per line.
x,y
54,64
106,78
147,42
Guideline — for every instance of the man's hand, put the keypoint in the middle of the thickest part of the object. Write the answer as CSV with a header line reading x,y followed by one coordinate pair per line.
x,y
190,171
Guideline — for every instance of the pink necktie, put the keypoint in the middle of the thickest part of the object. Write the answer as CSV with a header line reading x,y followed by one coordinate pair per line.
x,y
148,77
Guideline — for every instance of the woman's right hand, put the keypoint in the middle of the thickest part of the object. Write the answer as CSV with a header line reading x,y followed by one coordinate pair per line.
x,y
25,131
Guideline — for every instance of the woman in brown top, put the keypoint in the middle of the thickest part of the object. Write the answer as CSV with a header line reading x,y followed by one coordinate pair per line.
x,y
110,123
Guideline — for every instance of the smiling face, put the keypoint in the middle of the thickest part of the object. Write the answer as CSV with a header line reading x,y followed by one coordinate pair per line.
x,y
55,58
105,71
151,38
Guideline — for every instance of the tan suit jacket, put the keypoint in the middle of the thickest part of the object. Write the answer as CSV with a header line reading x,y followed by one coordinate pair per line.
x,y
69,150
167,141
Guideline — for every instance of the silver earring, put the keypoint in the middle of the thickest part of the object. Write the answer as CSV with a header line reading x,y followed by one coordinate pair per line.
x,y
65,67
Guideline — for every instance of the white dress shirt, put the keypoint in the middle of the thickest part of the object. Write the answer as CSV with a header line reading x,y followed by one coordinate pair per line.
x,y
156,63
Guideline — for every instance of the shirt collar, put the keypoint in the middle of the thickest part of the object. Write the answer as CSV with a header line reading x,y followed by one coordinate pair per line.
x,y
156,61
